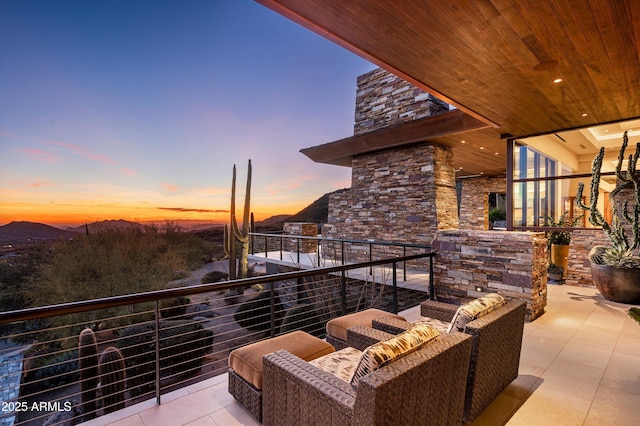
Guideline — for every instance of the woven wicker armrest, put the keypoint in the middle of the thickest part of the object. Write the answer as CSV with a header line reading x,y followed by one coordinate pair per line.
x,y
291,386
391,325
361,337
438,310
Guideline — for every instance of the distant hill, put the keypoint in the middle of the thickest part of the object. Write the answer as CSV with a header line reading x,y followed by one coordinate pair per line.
x,y
316,212
23,232
107,224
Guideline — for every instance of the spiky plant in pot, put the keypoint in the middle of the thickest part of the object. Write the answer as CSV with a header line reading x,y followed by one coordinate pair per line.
x,y
624,253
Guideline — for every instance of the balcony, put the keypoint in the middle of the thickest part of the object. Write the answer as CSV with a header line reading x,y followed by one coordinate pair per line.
x,y
580,365
580,362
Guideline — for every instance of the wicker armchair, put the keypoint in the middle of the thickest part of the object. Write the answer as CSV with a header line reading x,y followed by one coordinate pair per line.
x,y
495,354
426,387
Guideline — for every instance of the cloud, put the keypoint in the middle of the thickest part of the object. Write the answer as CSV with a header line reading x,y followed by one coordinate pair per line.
x,y
41,184
83,152
170,187
182,209
40,155
127,172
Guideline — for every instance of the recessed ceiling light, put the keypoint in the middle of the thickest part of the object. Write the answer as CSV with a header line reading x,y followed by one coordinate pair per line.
x,y
496,153
482,147
606,130
463,141
557,80
481,173
584,114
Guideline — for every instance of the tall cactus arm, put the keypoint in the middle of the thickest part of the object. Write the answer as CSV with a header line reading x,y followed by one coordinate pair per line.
x,y
243,234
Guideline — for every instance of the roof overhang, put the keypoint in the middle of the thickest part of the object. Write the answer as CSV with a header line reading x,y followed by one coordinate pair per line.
x,y
342,152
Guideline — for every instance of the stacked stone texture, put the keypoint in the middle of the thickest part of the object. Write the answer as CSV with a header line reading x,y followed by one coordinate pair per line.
x,y
474,201
305,230
513,264
384,100
579,267
401,195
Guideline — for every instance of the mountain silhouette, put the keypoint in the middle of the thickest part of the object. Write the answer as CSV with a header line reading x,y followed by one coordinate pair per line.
x,y
24,232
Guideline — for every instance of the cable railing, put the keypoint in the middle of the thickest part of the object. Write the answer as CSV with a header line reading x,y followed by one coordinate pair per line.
x,y
83,359
320,251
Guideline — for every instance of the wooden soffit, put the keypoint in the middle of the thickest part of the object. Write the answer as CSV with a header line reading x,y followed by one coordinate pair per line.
x,y
497,60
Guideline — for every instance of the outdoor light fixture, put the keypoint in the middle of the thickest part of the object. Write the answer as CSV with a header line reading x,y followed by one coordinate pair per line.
x,y
478,288
557,80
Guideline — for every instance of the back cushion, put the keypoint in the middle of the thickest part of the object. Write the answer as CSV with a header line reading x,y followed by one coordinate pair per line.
x,y
382,353
474,310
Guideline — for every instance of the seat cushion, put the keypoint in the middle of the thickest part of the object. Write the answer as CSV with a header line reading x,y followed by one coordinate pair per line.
x,y
341,364
475,309
247,360
441,326
382,353
337,327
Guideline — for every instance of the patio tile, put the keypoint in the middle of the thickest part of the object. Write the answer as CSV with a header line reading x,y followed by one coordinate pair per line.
x,y
203,421
614,407
575,378
499,412
623,373
134,420
233,415
586,353
540,352
547,406
183,410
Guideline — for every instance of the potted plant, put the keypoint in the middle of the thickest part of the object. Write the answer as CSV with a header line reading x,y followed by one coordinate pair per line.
x,y
616,269
499,215
555,273
559,240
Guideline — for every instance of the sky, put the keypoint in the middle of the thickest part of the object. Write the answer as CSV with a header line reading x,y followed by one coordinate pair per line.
x,y
139,109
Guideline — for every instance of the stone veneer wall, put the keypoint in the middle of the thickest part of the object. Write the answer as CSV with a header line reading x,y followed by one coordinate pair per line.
x,y
303,229
384,100
401,195
579,267
513,264
474,201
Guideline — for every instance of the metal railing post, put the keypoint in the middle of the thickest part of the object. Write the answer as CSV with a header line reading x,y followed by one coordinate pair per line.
x,y
281,246
157,340
432,290
272,304
266,246
395,288
404,264
298,250
343,294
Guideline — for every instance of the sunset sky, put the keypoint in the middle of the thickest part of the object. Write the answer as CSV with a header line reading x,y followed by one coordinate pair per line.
x,y
138,109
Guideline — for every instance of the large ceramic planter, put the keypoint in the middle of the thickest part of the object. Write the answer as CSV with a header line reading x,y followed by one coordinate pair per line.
x,y
617,284
560,255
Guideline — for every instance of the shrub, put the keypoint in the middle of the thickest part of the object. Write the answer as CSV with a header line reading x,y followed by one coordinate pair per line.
x,y
214,277
183,344
176,307
255,314
53,371
308,317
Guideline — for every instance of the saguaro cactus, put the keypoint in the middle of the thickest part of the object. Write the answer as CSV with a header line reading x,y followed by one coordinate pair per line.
x,y
112,379
234,234
242,234
623,252
88,360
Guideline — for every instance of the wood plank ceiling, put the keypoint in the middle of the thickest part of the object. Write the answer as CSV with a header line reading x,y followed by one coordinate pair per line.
x,y
497,59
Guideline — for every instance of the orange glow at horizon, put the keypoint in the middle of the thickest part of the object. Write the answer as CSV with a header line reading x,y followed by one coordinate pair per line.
x,y
77,215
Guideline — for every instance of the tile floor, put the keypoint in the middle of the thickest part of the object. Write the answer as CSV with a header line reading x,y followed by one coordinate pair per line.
x,y
580,365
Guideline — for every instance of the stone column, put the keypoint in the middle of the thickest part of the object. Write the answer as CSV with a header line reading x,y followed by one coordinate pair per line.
x,y
470,263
